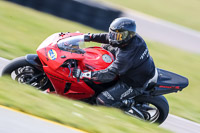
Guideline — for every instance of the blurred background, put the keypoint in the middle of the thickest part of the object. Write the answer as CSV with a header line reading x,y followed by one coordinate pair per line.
x,y
99,14
170,29
87,12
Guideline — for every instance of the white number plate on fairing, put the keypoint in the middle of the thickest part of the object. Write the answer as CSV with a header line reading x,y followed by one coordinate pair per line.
x,y
107,58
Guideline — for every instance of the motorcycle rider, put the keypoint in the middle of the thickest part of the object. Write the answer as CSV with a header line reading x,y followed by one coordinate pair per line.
x,y
133,64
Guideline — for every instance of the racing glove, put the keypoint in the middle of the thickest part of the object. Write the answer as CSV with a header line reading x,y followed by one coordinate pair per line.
x,y
105,46
77,73
108,47
88,37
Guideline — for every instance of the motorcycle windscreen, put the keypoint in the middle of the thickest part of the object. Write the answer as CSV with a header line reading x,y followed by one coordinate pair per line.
x,y
169,82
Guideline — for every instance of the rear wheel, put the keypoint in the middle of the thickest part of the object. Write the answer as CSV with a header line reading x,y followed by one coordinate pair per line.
x,y
151,109
23,72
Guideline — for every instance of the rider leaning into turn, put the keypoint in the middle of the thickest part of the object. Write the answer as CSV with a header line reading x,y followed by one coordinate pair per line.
x,y
133,64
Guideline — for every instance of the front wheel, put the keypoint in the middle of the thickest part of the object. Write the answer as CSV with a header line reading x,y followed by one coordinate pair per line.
x,y
23,72
152,109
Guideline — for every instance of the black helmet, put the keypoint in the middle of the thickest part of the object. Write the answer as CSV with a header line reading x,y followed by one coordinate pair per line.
x,y
121,30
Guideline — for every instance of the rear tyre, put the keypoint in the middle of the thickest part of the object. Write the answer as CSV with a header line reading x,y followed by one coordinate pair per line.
x,y
23,72
155,109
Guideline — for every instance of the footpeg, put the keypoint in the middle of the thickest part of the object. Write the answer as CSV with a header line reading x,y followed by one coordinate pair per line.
x,y
128,102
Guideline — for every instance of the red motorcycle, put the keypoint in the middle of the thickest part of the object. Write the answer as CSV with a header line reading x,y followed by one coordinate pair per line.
x,y
51,70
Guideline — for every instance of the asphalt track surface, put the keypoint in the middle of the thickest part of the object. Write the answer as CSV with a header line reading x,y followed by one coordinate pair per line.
x,y
167,33
12,121
15,122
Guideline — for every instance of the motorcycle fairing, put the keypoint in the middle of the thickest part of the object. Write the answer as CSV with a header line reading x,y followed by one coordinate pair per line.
x,y
59,73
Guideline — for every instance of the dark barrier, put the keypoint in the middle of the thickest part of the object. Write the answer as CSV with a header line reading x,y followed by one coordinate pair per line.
x,y
86,12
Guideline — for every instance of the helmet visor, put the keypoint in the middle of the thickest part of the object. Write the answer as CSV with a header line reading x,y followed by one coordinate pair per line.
x,y
118,36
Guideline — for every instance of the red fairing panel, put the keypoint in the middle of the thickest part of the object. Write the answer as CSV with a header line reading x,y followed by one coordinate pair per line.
x,y
94,58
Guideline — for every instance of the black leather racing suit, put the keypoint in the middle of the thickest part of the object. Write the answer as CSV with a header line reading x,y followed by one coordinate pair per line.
x,y
133,65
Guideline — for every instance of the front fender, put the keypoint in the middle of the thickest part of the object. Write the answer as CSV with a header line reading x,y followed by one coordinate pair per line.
x,y
34,60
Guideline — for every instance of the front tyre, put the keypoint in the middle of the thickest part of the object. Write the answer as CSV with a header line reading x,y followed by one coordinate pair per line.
x,y
23,72
155,109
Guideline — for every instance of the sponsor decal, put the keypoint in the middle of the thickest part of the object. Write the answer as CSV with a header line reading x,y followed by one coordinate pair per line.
x,y
169,87
126,93
145,53
52,54
107,95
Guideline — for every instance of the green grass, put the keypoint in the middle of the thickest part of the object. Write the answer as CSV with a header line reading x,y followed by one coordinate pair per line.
x,y
23,29
69,112
183,12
